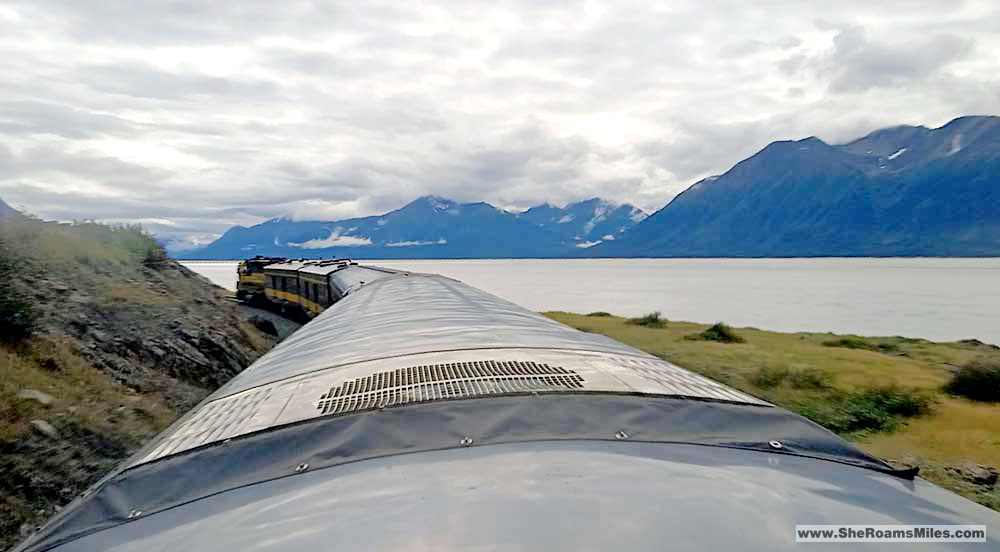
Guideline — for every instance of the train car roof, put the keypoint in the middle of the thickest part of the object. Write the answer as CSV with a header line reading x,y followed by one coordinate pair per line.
x,y
290,266
324,268
419,412
354,277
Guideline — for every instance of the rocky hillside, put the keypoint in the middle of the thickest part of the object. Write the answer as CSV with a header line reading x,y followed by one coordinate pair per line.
x,y
900,191
104,342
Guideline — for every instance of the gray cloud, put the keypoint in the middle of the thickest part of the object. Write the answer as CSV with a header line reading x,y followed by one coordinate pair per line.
x,y
33,117
146,82
191,116
859,63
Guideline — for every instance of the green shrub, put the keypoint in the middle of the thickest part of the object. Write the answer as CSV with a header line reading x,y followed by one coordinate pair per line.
x,y
600,314
978,380
718,332
769,376
773,376
848,343
16,314
155,256
857,343
16,317
881,409
809,378
651,320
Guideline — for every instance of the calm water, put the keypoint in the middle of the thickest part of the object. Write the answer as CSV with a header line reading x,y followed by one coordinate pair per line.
x,y
941,299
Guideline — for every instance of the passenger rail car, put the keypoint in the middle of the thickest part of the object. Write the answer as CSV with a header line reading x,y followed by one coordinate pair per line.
x,y
419,413
302,289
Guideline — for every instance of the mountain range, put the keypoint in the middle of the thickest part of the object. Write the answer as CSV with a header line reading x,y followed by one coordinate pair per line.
x,y
434,227
900,191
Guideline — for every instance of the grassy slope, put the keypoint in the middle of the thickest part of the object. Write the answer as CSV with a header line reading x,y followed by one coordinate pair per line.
x,y
955,432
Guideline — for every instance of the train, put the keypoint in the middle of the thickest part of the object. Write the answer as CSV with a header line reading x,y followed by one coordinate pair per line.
x,y
416,412
300,289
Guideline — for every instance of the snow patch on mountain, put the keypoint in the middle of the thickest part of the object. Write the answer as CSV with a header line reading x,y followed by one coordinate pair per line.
x,y
956,144
440,203
336,238
441,241
600,213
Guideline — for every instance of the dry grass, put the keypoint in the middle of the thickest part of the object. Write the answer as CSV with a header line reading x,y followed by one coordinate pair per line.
x,y
924,367
81,393
799,371
134,294
959,431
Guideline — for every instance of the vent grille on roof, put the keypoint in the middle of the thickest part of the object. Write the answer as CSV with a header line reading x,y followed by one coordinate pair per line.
x,y
444,381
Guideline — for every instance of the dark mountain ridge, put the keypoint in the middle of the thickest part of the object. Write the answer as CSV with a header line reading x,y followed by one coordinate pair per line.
x,y
900,191
6,210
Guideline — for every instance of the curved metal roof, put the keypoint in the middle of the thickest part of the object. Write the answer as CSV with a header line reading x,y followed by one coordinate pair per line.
x,y
412,337
402,315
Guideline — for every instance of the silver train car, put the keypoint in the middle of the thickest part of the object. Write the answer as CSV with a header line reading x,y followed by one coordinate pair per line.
x,y
419,413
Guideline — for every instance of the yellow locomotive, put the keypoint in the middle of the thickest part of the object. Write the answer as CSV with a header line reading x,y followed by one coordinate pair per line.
x,y
250,278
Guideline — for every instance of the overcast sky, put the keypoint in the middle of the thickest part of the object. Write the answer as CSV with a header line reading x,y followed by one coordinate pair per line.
x,y
193,115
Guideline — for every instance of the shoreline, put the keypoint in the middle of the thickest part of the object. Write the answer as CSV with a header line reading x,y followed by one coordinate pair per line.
x,y
936,299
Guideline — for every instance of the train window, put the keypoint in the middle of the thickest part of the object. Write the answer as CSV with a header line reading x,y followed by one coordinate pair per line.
x,y
284,284
316,292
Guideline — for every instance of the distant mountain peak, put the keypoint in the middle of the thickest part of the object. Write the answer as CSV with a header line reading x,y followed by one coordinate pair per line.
x,y
588,222
591,201
794,145
973,119
437,202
